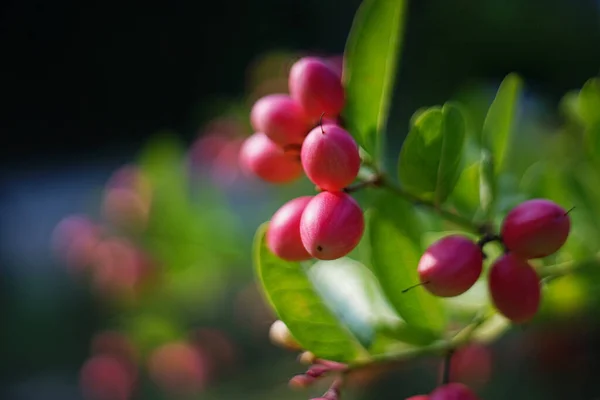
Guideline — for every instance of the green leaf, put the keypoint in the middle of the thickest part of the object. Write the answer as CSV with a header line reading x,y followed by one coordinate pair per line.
x,y
395,238
589,109
431,156
499,119
592,134
589,101
296,302
487,186
350,290
355,296
370,57
148,330
465,196
569,107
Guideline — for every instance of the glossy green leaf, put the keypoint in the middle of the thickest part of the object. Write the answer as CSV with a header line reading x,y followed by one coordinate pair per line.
x,y
294,298
355,296
395,236
350,290
500,118
431,156
371,56
589,101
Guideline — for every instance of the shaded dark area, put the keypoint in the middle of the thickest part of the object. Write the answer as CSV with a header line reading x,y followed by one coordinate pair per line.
x,y
81,78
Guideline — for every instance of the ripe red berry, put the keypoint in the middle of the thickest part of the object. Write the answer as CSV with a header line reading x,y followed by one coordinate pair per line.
x,y
450,266
330,157
453,391
332,224
317,87
263,158
283,235
536,228
281,118
418,397
514,287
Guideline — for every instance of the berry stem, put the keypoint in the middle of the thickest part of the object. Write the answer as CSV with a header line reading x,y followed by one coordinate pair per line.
x,y
485,327
551,272
449,216
441,347
378,179
446,367
373,181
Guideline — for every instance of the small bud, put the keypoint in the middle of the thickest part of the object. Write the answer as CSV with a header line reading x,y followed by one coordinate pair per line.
x,y
301,381
333,365
281,336
317,371
307,358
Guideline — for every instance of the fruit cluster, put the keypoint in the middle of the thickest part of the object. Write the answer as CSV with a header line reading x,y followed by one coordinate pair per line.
x,y
299,133
103,252
534,229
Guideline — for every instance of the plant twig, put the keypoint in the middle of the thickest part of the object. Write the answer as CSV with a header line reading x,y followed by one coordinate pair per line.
x,y
373,181
440,347
380,180
446,367
450,216
551,272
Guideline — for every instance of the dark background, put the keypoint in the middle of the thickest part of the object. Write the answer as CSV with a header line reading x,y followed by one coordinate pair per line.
x,y
84,78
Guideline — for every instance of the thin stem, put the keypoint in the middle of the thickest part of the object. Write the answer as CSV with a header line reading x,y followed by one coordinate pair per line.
x,y
551,272
446,214
446,367
373,181
396,357
440,347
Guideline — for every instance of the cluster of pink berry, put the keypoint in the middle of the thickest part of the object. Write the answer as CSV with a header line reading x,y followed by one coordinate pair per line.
x,y
534,229
102,251
180,368
299,133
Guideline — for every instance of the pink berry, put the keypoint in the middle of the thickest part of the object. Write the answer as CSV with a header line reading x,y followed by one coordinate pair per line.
x,y
281,118
332,224
330,157
453,391
317,87
263,158
536,228
450,266
418,397
514,287
179,368
283,235
471,365
104,377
